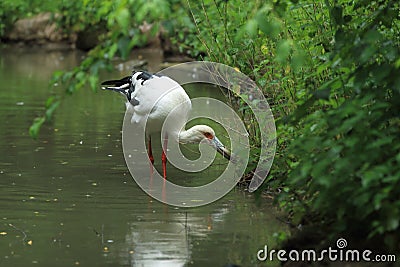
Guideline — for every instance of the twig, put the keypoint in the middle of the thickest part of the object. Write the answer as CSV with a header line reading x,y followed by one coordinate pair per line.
x,y
198,29
19,230
102,234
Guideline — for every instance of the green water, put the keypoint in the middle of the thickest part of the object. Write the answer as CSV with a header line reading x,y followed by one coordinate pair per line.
x,y
67,199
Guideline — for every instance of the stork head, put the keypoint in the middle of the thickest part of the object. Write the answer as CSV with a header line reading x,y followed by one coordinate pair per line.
x,y
198,133
123,86
128,85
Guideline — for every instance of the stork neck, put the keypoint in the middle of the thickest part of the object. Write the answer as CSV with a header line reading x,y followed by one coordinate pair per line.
x,y
187,136
191,135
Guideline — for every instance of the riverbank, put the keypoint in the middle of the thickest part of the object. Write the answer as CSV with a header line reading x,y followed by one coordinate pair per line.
x,y
39,31
45,31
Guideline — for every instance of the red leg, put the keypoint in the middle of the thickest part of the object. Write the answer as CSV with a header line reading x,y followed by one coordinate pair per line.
x,y
150,152
151,158
164,157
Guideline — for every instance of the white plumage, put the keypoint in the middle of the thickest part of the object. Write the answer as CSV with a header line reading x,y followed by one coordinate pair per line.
x,y
151,100
155,99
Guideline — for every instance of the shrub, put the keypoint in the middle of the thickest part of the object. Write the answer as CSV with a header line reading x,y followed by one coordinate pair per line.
x,y
347,154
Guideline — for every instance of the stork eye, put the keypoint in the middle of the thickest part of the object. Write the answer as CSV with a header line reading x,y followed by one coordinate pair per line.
x,y
208,135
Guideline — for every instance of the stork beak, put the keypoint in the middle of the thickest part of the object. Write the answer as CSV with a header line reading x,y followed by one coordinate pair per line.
x,y
117,85
220,148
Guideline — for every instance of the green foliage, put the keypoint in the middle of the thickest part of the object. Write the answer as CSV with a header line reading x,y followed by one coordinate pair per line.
x,y
329,73
347,154
119,22
50,105
35,127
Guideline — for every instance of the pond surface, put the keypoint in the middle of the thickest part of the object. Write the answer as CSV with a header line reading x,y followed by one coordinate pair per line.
x,y
67,199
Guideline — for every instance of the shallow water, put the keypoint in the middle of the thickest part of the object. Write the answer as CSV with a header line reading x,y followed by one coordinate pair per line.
x,y
67,199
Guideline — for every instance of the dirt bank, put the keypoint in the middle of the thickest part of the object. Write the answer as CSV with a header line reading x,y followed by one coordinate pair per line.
x,y
40,30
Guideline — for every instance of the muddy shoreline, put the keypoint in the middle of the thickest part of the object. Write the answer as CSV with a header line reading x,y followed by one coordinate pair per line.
x,y
42,31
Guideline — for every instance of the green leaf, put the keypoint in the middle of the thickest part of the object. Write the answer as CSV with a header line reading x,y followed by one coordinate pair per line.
x,y
123,47
270,26
49,101
372,36
123,18
283,51
298,60
392,222
93,81
112,50
50,110
252,28
397,64
80,75
57,74
35,127
367,53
